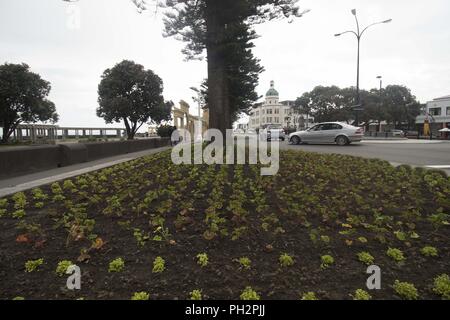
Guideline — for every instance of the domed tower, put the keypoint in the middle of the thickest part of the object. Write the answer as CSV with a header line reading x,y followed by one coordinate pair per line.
x,y
272,96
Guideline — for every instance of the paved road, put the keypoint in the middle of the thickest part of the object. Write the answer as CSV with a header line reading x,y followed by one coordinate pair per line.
x,y
416,153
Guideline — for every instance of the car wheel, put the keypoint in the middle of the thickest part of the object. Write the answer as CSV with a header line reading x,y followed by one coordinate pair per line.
x,y
342,141
295,140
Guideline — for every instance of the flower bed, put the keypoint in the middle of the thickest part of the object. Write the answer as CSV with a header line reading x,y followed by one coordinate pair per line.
x,y
148,229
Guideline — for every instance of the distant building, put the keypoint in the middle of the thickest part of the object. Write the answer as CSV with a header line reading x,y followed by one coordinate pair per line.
x,y
272,111
436,116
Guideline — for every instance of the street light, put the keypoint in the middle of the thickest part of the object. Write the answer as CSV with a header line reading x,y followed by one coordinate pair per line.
x,y
358,33
381,82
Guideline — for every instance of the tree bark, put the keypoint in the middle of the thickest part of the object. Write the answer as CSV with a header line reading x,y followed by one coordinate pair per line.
x,y
218,87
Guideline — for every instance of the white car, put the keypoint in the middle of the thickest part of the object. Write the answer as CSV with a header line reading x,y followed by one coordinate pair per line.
x,y
272,132
330,132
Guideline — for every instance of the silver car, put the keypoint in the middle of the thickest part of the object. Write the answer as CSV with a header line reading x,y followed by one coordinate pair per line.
x,y
330,132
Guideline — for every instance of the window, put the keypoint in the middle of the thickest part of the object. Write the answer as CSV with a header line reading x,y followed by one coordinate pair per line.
x,y
448,111
435,111
269,119
277,111
269,111
277,119
264,111
257,113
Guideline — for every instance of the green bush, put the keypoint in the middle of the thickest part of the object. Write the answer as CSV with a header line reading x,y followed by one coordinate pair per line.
x,y
165,131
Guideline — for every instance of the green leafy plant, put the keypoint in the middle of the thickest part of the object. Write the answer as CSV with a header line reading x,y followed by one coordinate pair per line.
x,y
366,258
442,286
249,294
33,265
245,263
19,214
286,260
158,265
327,261
3,203
20,201
361,295
202,259
405,290
117,265
429,251
395,254
309,296
62,267
140,237
196,295
140,296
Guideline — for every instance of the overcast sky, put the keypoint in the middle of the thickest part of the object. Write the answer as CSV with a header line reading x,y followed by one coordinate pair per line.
x,y
414,50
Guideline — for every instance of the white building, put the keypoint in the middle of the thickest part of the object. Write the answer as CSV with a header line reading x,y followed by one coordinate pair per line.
x,y
437,113
274,111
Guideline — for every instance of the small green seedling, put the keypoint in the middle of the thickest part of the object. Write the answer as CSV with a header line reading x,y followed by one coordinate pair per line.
x,y
159,265
396,254
442,286
245,263
33,265
366,258
249,294
140,296
286,260
406,290
117,265
327,261
309,296
361,295
196,295
429,251
202,259
62,267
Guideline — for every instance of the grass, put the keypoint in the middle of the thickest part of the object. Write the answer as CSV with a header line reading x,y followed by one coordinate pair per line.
x,y
139,227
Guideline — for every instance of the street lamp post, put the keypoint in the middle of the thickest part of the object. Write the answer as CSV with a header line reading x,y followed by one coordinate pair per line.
x,y
381,82
358,33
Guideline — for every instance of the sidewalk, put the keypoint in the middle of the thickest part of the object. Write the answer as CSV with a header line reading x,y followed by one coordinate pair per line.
x,y
17,184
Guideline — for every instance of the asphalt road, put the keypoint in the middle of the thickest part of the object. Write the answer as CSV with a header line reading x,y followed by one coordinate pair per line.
x,y
416,153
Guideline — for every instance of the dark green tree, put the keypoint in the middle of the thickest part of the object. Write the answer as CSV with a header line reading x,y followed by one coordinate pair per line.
x,y
23,98
400,105
131,94
216,27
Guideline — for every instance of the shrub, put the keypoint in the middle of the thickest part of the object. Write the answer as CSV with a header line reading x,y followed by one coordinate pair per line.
x,y
366,258
140,296
33,265
429,251
196,295
165,131
20,200
159,265
396,254
361,295
327,261
3,203
249,294
202,259
286,260
406,290
442,286
117,265
62,267
309,296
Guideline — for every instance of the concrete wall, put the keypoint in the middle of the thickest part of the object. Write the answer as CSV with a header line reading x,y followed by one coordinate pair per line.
x,y
16,161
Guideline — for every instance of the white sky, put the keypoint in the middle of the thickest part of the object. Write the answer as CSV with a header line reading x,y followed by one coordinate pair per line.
x,y
413,50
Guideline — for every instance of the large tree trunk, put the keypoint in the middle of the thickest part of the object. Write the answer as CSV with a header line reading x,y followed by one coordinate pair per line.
x,y
218,92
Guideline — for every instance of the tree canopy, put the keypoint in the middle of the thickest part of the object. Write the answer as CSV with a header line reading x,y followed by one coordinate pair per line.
x,y
394,104
131,94
23,98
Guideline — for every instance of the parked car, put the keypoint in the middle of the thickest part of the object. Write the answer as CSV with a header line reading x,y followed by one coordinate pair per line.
x,y
272,132
331,132
397,133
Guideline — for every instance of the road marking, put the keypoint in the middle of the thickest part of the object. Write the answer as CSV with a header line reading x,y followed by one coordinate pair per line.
x,y
439,167
40,182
